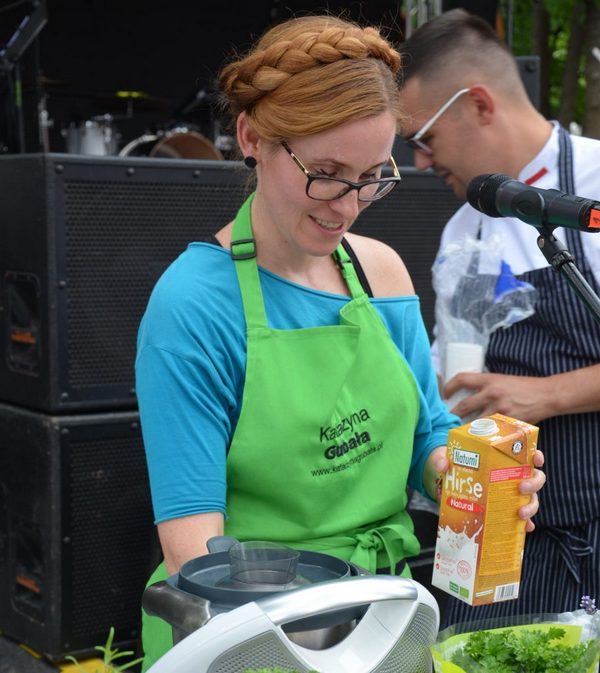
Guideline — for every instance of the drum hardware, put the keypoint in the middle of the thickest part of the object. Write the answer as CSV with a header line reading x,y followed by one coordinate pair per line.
x,y
135,101
178,142
44,123
95,136
207,100
10,56
225,143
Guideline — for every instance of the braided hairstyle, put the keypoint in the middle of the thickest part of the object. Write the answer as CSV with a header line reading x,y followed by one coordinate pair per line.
x,y
310,74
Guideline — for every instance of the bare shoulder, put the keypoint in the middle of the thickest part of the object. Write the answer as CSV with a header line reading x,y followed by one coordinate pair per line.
x,y
224,235
383,267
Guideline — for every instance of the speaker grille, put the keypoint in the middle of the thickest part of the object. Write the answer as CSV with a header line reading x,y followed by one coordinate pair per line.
x,y
411,220
120,236
412,652
265,651
109,526
93,234
76,529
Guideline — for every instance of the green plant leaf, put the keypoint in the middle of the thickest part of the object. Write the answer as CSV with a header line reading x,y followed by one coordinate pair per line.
x,y
110,656
522,651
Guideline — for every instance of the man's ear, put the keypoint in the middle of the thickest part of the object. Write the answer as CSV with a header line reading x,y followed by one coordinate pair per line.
x,y
483,100
247,137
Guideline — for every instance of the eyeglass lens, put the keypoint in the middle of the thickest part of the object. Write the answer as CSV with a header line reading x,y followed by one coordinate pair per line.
x,y
328,189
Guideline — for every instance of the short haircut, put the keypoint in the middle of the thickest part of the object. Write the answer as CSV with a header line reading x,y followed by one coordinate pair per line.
x,y
456,48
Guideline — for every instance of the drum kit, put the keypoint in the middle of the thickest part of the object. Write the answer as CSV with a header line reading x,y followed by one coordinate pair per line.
x,y
100,135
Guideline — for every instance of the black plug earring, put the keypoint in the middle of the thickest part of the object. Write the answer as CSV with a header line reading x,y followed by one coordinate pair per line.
x,y
250,162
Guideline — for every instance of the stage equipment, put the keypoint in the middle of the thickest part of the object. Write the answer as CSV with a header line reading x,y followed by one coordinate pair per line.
x,y
76,531
498,195
94,136
84,240
179,142
11,54
529,69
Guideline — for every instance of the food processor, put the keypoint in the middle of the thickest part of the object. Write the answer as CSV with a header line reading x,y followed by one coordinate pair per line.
x,y
254,605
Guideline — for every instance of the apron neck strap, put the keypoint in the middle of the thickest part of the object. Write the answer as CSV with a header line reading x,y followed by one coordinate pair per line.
x,y
243,253
342,259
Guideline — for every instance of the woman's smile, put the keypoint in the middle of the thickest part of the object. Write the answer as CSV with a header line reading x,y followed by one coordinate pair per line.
x,y
333,227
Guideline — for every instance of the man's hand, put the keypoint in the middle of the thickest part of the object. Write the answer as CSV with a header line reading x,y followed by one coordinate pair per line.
x,y
528,398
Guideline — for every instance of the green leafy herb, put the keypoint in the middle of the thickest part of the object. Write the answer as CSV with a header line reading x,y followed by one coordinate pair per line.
x,y
519,651
110,657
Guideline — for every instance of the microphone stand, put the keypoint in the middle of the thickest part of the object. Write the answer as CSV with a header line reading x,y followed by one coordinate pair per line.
x,y
10,55
562,261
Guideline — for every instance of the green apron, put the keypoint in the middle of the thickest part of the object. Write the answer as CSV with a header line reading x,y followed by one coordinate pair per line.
x,y
321,452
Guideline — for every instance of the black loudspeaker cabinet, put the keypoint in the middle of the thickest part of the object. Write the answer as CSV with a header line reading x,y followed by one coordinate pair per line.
x,y
529,69
82,242
76,529
84,239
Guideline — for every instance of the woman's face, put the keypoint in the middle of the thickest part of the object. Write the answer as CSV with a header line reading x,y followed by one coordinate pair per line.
x,y
283,214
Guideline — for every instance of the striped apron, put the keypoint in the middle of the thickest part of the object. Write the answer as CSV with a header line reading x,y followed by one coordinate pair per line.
x,y
562,556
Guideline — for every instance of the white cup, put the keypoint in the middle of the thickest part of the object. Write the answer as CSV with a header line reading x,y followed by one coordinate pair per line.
x,y
461,357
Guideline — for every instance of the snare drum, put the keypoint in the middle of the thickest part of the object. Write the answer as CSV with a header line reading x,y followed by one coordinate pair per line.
x,y
176,143
94,136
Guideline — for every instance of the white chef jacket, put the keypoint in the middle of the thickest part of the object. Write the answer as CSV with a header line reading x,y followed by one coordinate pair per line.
x,y
519,240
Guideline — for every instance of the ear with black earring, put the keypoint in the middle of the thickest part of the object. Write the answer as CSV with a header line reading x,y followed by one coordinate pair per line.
x,y
250,162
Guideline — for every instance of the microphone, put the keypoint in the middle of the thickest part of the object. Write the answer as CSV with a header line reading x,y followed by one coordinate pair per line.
x,y
499,195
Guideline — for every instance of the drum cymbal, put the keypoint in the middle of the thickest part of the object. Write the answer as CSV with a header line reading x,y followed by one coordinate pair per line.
x,y
115,101
138,100
46,84
51,82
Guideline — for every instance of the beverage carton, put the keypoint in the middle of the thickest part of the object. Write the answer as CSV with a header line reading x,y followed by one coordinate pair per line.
x,y
480,539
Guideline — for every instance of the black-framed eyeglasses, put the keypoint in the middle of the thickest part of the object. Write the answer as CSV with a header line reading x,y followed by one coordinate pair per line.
x,y
324,188
415,142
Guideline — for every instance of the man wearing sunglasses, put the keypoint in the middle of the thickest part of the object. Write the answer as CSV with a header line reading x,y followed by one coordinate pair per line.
x,y
468,114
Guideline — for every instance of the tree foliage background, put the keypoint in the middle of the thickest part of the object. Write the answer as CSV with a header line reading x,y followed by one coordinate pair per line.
x,y
565,34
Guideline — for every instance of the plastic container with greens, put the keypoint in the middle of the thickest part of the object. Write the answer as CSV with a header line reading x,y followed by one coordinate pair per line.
x,y
561,643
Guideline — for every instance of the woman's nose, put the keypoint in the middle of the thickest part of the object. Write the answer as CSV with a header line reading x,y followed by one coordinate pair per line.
x,y
348,205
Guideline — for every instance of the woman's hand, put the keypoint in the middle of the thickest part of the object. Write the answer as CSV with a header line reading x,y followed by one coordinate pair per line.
x,y
437,465
435,468
532,485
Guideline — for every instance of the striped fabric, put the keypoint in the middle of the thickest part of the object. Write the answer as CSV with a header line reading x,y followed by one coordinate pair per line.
x,y
562,556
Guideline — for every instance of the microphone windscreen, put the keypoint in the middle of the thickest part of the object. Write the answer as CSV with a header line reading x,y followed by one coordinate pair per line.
x,y
481,192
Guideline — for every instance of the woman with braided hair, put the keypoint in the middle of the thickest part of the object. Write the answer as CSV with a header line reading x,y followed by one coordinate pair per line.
x,y
284,378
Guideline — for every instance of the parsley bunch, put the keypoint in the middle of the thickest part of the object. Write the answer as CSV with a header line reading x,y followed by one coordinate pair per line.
x,y
521,651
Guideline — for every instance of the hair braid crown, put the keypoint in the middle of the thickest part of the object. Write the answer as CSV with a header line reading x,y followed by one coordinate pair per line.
x,y
274,61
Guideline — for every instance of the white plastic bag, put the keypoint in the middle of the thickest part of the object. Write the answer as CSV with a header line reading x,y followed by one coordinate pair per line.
x,y
476,293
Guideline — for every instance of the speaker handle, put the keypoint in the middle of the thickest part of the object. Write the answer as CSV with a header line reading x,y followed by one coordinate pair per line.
x,y
334,596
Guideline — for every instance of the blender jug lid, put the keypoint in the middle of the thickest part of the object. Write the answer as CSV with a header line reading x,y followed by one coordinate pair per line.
x,y
211,576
